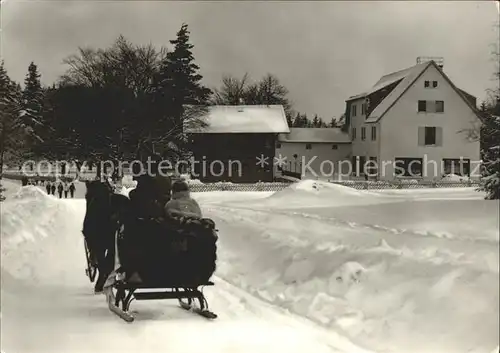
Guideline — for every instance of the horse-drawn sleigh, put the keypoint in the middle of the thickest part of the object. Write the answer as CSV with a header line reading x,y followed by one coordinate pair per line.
x,y
146,258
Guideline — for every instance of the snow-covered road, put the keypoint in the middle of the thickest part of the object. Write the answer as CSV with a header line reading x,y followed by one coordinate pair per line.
x,y
412,271
48,305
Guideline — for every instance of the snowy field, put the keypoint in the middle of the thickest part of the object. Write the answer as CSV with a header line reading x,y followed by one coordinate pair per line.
x,y
313,268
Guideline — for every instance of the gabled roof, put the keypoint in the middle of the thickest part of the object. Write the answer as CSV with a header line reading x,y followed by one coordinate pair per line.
x,y
315,135
407,78
224,119
410,76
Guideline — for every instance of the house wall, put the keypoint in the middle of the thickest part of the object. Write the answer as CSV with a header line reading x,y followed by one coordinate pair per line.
x,y
400,125
319,158
237,153
368,147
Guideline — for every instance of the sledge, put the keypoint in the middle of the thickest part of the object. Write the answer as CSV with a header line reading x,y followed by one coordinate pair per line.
x,y
181,271
121,294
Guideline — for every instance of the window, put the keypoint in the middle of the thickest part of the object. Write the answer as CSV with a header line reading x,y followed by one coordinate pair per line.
x,y
308,146
431,106
439,106
353,110
408,167
427,84
335,147
353,133
456,166
278,145
374,133
363,133
430,135
363,109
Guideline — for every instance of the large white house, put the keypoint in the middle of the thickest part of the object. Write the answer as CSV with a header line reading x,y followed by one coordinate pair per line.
x,y
313,152
414,123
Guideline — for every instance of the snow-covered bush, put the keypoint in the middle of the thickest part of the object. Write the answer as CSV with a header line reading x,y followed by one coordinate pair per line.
x,y
491,158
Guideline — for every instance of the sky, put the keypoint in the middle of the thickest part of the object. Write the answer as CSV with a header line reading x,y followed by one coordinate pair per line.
x,y
323,52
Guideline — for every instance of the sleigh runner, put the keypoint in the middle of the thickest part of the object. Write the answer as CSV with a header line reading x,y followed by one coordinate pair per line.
x,y
170,260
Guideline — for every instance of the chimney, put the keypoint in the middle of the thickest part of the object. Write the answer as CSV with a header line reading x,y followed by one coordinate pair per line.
x,y
439,60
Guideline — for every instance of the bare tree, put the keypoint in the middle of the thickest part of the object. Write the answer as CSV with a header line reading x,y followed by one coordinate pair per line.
x,y
232,92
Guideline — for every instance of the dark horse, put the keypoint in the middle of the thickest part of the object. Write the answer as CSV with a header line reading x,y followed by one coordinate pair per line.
x,y
105,212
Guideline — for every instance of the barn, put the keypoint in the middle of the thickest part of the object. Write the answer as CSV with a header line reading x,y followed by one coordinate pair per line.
x,y
235,140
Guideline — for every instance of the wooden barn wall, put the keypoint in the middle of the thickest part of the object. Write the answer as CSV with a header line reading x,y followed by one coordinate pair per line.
x,y
233,147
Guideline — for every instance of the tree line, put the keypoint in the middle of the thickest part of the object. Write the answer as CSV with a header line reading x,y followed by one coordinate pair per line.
x,y
122,101
266,91
113,103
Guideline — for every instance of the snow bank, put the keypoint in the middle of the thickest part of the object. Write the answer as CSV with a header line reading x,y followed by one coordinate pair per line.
x,y
11,187
29,192
27,236
391,292
315,193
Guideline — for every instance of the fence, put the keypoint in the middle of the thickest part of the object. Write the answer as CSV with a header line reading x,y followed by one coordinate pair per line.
x,y
404,184
277,186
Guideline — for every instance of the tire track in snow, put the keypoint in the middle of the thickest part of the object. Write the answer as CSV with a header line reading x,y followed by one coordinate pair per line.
x,y
394,242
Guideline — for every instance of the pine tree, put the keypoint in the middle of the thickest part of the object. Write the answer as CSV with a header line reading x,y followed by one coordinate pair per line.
x,y
12,126
179,74
315,122
490,141
297,120
179,86
32,104
341,121
289,120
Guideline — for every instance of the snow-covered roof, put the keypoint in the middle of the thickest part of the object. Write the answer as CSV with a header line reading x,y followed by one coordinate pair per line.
x,y
244,119
357,96
312,135
408,76
385,81
388,79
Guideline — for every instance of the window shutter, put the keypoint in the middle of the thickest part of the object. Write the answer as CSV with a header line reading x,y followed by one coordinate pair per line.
x,y
439,136
421,136
431,106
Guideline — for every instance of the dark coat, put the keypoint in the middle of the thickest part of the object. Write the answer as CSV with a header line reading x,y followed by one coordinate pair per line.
x,y
150,196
